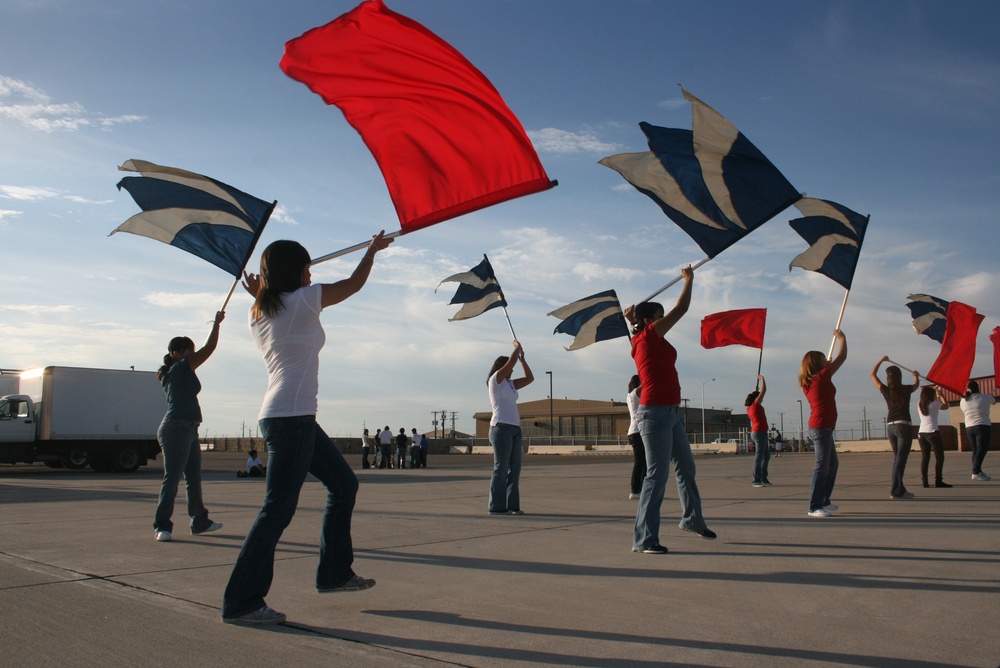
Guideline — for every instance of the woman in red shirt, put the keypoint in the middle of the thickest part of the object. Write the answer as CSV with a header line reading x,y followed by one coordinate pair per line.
x,y
758,433
815,379
663,435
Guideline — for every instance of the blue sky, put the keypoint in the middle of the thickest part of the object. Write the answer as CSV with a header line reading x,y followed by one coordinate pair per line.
x,y
889,108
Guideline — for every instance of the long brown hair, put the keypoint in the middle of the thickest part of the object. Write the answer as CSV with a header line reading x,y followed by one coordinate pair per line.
x,y
927,395
281,267
497,363
896,399
812,362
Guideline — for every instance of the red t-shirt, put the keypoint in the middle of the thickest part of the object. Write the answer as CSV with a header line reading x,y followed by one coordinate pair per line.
x,y
758,421
655,360
822,396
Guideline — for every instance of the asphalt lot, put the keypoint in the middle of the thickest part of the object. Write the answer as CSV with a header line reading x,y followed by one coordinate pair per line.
x,y
882,583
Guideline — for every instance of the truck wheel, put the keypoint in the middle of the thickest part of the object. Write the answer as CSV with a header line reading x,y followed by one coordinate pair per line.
x,y
126,459
77,459
99,463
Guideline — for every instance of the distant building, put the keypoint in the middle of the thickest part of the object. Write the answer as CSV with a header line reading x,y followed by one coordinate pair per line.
x,y
591,418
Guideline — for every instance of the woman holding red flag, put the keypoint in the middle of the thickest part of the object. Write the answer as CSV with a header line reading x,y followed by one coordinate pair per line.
x,y
758,433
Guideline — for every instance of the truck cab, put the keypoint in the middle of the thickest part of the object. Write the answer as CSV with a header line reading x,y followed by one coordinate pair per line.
x,y
17,419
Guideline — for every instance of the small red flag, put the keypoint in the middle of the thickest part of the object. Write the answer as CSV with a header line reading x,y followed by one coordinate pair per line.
x,y
743,327
446,142
953,366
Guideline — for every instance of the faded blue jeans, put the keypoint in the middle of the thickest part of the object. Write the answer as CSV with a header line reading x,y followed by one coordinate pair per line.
x,y
296,446
761,455
505,490
181,458
665,441
825,472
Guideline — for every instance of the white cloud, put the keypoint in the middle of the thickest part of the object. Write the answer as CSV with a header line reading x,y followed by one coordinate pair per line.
x,y
38,308
27,193
33,108
554,140
7,213
672,103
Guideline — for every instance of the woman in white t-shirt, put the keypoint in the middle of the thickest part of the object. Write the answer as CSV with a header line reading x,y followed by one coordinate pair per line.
x,y
976,407
929,435
635,438
285,325
505,432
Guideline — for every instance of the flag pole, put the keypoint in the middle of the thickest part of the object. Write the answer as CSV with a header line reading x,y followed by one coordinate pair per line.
x,y
760,361
909,370
505,314
840,319
356,247
675,280
253,245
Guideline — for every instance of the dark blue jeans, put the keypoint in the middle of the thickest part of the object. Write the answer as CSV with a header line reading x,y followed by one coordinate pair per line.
x,y
900,440
761,455
181,458
979,439
296,446
825,472
505,484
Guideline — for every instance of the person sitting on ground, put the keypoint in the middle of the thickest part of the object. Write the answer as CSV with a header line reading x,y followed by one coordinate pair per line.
x,y
255,467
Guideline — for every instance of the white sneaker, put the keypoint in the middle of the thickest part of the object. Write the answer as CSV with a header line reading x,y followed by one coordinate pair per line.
x,y
819,512
980,476
214,526
831,507
633,496
164,536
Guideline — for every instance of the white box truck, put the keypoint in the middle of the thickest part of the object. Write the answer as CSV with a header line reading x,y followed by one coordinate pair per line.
x,y
72,417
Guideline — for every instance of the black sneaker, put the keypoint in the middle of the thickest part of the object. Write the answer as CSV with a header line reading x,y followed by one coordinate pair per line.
x,y
941,483
705,533
652,549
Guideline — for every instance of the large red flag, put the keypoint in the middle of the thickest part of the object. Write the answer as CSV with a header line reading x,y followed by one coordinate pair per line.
x,y
995,338
958,349
744,327
443,137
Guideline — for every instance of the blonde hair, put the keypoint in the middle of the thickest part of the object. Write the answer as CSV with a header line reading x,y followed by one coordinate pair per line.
x,y
812,362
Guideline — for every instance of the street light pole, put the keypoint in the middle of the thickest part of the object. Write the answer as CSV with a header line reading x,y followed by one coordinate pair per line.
x,y
703,440
801,424
551,418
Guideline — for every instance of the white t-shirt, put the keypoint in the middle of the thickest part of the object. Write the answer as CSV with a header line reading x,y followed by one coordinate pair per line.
x,y
977,409
290,343
929,422
503,399
385,438
633,405
252,462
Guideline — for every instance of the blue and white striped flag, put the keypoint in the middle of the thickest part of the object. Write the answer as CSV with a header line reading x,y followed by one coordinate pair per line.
x,y
930,315
591,319
479,291
835,234
195,213
710,180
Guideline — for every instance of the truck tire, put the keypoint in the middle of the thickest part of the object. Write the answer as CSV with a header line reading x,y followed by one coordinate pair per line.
x,y
99,462
126,459
77,459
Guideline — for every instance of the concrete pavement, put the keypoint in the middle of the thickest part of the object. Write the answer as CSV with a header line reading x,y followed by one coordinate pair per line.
x,y
882,583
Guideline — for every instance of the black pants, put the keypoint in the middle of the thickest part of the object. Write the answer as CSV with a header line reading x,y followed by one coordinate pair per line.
x,y
931,441
638,461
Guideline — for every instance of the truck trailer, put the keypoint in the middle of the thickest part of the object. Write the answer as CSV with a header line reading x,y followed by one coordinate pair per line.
x,y
71,417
